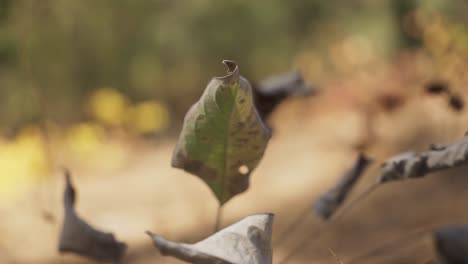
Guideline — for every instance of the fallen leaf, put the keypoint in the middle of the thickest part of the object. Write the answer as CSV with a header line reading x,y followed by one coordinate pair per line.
x,y
223,137
331,200
247,241
409,165
414,165
274,90
79,237
451,244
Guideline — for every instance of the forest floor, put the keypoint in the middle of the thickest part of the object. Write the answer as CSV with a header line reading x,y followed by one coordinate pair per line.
x,y
314,142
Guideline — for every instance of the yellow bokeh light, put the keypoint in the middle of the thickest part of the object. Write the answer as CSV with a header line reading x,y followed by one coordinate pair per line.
x,y
22,161
148,117
108,106
84,139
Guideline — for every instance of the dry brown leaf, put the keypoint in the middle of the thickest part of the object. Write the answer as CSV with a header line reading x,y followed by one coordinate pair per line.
x,y
274,90
331,200
414,165
451,244
247,241
80,238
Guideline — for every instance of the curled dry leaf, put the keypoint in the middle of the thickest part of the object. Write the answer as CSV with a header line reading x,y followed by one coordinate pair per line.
x,y
223,137
272,91
79,237
330,201
247,241
413,165
409,165
451,244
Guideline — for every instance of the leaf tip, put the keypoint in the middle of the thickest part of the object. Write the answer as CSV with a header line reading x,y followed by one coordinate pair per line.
x,y
154,237
232,72
149,233
232,65
70,193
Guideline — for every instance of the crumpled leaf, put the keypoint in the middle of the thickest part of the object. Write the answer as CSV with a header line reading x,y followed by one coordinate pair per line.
x,y
331,200
413,165
451,244
223,137
79,237
247,241
272,91
410,164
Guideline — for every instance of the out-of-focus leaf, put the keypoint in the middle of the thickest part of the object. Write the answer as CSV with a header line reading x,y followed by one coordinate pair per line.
x,y
455,101
413,165
247,241
437,87
330,201
223,138
451,244
79,237
272,91
410,165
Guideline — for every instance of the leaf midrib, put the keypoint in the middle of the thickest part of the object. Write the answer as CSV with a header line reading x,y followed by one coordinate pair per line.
x,y
226,142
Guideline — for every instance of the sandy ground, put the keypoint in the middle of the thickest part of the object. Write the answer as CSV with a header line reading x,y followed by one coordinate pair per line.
x,y
314,143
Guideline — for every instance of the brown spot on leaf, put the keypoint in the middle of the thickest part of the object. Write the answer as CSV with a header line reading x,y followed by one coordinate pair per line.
x,y
239,183
198,168
78,237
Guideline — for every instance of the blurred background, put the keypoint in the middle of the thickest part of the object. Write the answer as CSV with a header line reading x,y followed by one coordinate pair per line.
x,y
101,87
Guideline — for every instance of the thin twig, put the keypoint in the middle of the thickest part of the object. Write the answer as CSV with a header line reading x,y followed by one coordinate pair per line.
x,y
338,260
304,242
395,243
338,216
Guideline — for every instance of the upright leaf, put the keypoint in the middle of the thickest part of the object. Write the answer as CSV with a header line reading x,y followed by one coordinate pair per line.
x,y
247,241
223,137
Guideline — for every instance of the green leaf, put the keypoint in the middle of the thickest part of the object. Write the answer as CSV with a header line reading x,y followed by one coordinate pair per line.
x,y
223,138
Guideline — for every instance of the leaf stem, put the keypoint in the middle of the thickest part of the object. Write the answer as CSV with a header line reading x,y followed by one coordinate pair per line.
x,y
219,212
